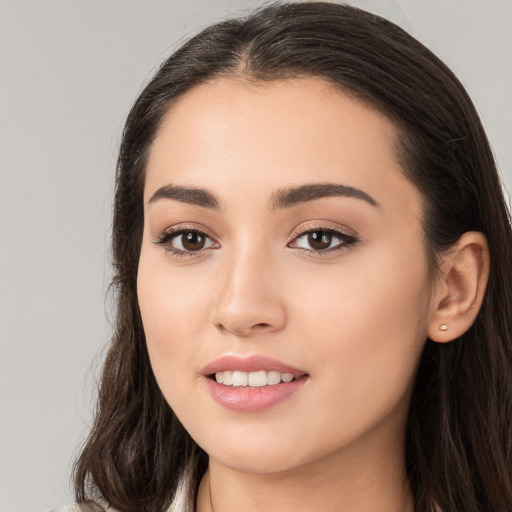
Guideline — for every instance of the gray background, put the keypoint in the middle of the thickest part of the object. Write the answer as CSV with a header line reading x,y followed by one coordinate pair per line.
x,y
69,71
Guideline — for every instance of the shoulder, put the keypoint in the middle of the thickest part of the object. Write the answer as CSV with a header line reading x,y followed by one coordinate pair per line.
x,y
66,508
75,508
175,507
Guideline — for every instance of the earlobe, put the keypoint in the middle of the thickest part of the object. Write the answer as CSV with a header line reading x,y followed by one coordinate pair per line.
x,y
459,292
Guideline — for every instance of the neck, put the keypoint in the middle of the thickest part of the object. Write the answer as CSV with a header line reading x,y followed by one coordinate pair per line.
x,y
367,476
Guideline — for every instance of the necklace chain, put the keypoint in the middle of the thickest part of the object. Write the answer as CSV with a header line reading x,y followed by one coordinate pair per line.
x,y
210,492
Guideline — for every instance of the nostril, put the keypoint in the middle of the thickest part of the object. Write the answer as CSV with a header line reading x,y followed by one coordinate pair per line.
x,y
261,326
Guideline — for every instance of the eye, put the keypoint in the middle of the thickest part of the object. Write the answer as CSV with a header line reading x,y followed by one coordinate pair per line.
x,y
185,242
323,240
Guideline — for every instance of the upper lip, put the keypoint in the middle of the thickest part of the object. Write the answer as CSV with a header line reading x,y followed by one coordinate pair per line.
x,y
249,364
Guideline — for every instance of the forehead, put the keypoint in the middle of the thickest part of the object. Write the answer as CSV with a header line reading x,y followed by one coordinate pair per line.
x,y
237,137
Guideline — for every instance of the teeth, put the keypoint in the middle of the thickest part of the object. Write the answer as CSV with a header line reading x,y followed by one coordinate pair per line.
x,y
273,378
258,379
239,379
252,379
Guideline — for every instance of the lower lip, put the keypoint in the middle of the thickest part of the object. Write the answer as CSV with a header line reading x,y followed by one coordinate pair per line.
x,y
247,399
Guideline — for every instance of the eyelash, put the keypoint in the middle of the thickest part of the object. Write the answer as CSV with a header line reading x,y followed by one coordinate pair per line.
x,y
346,240
167,236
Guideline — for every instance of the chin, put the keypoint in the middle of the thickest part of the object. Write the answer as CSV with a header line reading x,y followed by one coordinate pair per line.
x,y
257,462
261,452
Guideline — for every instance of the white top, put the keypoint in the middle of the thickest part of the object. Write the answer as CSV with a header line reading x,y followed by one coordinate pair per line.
x,y
182,502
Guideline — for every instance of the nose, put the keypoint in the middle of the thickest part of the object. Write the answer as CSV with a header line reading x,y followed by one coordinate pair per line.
x,y
250,299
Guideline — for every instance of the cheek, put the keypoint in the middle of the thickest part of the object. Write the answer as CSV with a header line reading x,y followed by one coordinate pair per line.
x,y
381,289
171,305
368,330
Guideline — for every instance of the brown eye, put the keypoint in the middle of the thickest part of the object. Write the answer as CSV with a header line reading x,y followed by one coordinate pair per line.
x,y
319,240
185,242
192,240
323,241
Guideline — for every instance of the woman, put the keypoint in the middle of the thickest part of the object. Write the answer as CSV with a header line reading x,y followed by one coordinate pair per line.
x,y
313,269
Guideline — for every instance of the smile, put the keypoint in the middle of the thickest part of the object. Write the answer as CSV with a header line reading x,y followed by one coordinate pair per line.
x,y
251,384
257,379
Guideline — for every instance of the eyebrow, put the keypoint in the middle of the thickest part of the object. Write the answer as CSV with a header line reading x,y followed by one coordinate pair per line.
x,y
283,198
190,195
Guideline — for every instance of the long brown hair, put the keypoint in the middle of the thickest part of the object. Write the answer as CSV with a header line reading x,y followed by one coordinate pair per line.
x,y
459,434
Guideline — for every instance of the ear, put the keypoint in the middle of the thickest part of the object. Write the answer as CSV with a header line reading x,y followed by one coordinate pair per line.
x,y
458,293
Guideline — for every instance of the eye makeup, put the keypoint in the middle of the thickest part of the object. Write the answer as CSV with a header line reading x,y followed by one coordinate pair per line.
x,y
314,240
183,241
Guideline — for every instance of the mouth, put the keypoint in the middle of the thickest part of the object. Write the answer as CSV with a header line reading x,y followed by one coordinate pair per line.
x,y
258,379
252,384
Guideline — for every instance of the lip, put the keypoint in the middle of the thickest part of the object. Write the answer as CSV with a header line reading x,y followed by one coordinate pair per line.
x,y
247,399
249,364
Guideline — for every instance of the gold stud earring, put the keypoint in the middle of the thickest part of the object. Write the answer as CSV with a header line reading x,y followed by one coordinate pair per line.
x,y
443,327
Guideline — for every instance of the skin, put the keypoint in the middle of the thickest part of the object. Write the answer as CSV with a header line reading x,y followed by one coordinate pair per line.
x,y
355,319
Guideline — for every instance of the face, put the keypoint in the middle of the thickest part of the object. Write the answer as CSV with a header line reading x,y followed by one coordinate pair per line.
x,y
281,242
